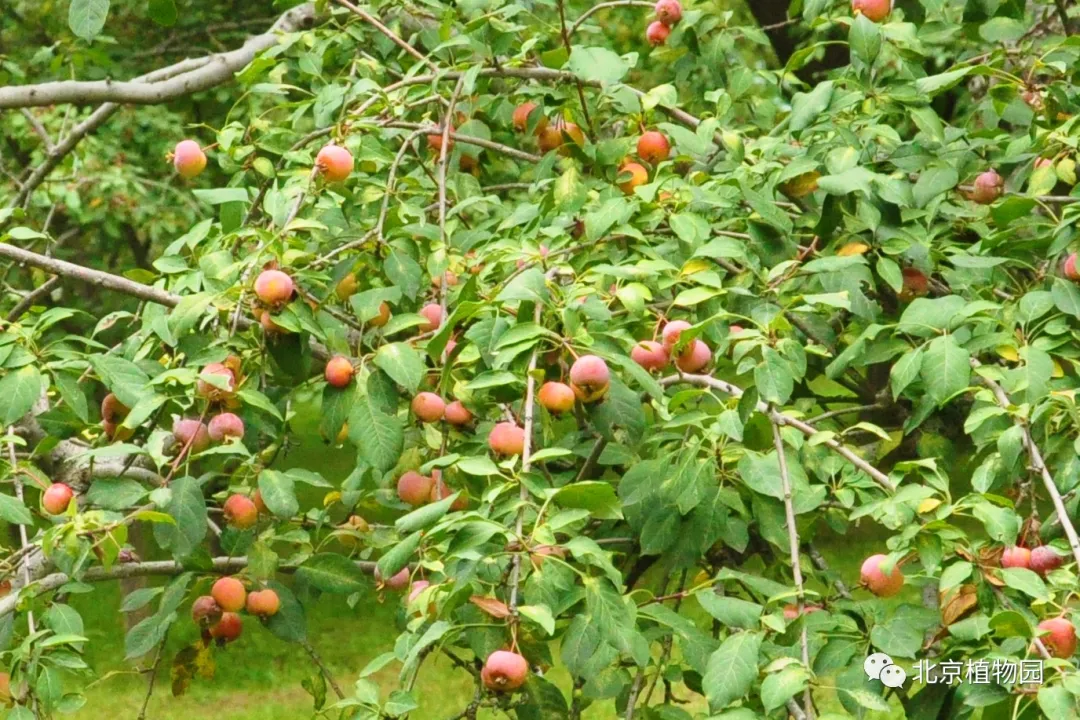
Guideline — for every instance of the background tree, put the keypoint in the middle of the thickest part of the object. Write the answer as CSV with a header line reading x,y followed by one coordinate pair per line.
x,y
683,355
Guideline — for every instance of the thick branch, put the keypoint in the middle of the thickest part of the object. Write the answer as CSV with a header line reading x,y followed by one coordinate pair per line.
x,y
217,69
168,568
777,417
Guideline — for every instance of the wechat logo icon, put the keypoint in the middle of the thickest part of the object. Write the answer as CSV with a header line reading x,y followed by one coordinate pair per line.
x,y
880,666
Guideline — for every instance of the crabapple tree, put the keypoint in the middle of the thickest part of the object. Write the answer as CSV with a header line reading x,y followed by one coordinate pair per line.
x,y
684,353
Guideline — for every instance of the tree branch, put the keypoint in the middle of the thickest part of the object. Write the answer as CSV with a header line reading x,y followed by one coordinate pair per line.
x,y
777,417
604,5
468,140
526,459
322,668
374,22
167,568
32,297
214,70
793,546
1037,464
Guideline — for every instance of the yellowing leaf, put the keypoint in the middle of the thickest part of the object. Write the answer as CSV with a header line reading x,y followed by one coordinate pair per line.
x,y
696,265
854,248
1058,371
929,505
1007,352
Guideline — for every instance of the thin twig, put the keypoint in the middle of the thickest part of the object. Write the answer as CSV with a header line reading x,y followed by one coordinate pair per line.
x,y
322,668
1037,464
604,5
566,44
526,460
153,675
24,542
38,129
793,547
708,381
32,297
374,22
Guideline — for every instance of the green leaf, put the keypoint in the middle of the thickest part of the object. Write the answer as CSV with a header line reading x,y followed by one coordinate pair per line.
x,y
19,389
541,615
1026,581
187,506
115,493
732,669
731,611
399,555
597,64
278,493
805,107
946,368
780,687
597,497
865,39
934,84
124,378
1066,297
905,370
773,378
404,272
379,436
933,182
424,516
333,573
86,18
13,511
529,286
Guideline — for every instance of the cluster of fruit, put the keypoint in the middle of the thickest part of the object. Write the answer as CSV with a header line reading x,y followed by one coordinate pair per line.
x,y
218,614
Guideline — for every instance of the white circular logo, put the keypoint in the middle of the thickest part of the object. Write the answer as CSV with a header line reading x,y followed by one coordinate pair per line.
x,y
893,676
874,664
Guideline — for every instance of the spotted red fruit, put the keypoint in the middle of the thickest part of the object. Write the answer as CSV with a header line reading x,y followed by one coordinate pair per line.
x,y
556,135
240,512
429,407
229,594
987,188
504,671
216,382
1060,637
188,158
339,371
228,628
877,581
521,118
225,425
633,176
915,284
398,582
414,488
433,313
1016,557
56,498
187,430
590,378
1044,559
506,438
672,331
335,163
263,603
556,397
653,147
875,10
650,355
440,491
668,12
1069,268
694,357
274,287
457,414
205,611
657,33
